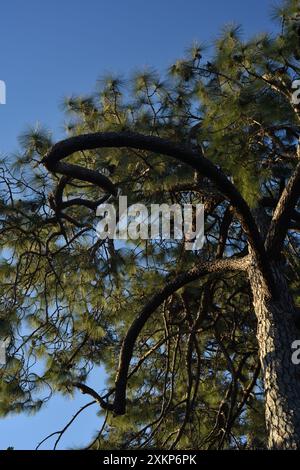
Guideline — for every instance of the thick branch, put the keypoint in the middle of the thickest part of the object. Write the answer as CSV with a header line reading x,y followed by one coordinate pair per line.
x,y
157,145
84,174
240,264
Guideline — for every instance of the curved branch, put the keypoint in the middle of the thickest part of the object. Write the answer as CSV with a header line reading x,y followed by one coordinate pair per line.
x,y
240,264
84,174
85,389
155,144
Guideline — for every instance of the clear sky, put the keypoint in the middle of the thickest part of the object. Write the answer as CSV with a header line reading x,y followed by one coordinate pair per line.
x,y
53,48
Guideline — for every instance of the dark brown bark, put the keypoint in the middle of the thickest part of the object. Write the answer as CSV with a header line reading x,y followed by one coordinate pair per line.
x,y
276,332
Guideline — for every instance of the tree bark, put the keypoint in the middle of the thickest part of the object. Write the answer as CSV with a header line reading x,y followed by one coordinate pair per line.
x,y
276,331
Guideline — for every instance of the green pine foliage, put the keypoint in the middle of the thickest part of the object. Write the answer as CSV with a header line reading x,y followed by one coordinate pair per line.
x,y
67,299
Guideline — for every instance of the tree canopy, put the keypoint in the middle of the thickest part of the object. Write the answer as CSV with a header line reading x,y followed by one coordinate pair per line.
x,y
174,329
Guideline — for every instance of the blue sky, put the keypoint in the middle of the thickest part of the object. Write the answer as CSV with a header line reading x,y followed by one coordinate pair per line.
x,y
51,49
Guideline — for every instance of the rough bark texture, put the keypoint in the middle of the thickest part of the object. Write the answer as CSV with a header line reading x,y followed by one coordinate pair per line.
x,y
276,331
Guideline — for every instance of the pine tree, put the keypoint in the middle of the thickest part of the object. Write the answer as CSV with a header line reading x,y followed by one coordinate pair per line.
x,y
197,345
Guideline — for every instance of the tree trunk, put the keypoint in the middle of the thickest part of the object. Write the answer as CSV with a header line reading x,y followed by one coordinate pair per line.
x,y
276,332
